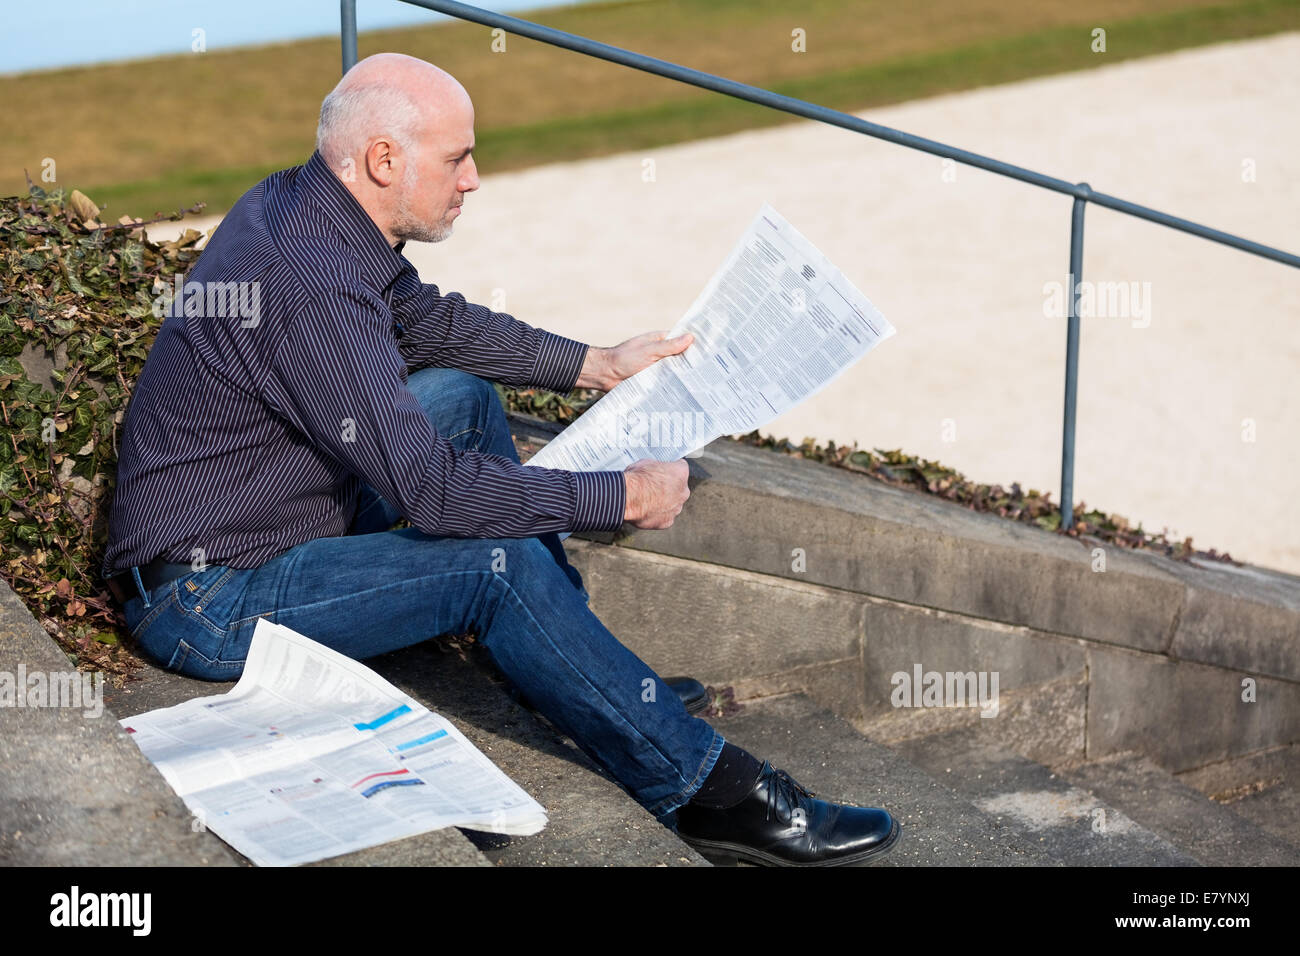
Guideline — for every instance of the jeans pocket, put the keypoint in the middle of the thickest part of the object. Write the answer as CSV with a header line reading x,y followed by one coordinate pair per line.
x,y
213,596
194,590
182,642
189,661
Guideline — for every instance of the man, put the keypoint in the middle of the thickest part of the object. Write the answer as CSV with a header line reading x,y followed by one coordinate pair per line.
x,y
272,450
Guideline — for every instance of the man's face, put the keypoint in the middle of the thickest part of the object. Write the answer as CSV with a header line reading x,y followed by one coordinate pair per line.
x,y
437,178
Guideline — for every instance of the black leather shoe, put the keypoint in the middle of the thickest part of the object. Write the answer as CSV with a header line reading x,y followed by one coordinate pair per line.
x,y
781,824
691,691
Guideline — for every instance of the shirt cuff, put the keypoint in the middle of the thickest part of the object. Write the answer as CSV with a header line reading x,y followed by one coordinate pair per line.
x,y
601,500
559,362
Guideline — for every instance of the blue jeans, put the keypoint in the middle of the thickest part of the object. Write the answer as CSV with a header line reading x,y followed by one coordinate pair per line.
x,y
375,590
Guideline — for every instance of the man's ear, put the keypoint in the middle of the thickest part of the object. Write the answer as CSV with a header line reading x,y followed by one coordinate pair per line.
x,y
379,162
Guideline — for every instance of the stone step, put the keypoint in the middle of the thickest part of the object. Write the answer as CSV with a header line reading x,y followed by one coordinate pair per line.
x,y
1208,830
592,821
1263,788
157,688
75,791
839,582
760,643
1066,821
826,755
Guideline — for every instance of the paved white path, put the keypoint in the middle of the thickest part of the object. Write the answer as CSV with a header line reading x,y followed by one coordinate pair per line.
x,y
975,375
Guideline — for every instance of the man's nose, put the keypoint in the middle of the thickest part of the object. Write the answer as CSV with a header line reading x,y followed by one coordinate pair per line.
x,y
469,182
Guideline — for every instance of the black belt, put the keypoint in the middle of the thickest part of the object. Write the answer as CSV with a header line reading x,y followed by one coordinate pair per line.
x,y
152,575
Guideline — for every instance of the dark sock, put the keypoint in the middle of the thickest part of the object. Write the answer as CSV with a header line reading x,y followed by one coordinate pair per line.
x,y
730,780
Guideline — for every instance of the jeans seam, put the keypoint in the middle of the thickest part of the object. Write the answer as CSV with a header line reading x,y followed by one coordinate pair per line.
x,y
212,591
205,661
349,596
465,431
269,615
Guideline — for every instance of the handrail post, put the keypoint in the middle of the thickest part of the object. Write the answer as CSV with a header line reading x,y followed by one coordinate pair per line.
x,y
348,32
1072,358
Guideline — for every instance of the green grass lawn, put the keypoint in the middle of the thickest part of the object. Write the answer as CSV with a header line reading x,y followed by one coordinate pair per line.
x,y
160,134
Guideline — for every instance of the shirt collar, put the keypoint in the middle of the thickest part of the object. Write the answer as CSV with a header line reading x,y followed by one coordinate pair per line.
x,y
378,260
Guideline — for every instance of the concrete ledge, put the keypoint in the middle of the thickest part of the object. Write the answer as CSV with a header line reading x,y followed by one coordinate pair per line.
x,y
761,634
751,508
1246,618
775,560
862,536
899,637
1182,714
76,791
767,636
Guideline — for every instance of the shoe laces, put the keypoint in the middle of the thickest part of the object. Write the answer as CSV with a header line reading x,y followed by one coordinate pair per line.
x,y
783,785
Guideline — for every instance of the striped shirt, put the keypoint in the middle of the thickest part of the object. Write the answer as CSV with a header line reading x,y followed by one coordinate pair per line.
x,y
277,384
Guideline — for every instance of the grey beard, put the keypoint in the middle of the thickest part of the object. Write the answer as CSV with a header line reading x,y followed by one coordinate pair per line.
x,y
405,226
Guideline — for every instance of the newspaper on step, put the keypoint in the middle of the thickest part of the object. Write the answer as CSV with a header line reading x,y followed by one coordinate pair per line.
x,y
312,755
774,326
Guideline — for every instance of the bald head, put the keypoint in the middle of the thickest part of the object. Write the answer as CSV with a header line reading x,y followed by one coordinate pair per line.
x,y
388,94
390,131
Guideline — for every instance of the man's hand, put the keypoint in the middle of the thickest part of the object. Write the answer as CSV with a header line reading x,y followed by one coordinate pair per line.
x,y
656,491
605,368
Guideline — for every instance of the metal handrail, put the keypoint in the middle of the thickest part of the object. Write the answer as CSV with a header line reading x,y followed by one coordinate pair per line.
x,y
1082,192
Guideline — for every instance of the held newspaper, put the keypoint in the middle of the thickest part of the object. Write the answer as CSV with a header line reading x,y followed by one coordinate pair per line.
x,y
774,326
